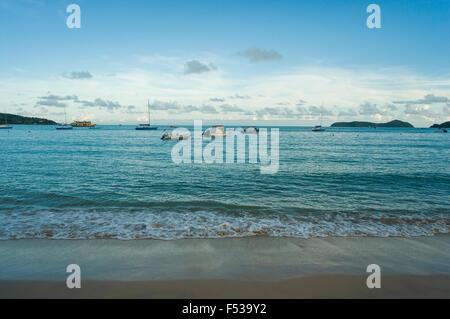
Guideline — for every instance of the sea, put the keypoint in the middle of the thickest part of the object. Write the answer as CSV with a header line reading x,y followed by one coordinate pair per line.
x,y
118,183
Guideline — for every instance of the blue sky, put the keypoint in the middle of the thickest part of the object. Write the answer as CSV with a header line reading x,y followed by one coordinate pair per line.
x,y
226,60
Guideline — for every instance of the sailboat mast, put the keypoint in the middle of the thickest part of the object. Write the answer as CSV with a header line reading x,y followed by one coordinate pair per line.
x,y
65,116
148,108
321,114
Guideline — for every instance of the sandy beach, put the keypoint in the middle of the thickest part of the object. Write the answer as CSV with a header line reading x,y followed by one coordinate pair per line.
x,y
257,267
320,286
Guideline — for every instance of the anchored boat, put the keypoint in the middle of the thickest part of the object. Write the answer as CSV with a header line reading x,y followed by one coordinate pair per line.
x,y
175,135
250,130
215,131
319,128
64,126
83,124
146,127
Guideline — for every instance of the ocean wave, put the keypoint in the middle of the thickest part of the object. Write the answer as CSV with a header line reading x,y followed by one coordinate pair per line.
x,y
171,225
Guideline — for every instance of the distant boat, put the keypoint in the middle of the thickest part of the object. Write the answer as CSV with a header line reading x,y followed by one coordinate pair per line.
x,y
215,131
5,126
65,126
83,124
250,130
146,127
319,128
175,136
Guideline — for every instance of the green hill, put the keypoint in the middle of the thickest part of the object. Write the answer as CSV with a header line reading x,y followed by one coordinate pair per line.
x,y
394,123
443,125
17,119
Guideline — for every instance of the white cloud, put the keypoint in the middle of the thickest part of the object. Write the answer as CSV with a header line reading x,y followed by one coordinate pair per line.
x,y
194,66
428,99
217,99
231,108
77,75
346,88
239,96
347,113
369,109
260,55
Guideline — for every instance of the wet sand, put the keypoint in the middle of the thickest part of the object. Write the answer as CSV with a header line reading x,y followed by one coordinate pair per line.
x,y
257,267
320,286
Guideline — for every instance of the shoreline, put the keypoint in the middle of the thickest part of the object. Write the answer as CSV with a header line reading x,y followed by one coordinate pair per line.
x,y
334,286
257,267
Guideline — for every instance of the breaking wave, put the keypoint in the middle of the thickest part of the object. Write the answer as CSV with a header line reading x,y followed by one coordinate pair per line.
x,y
170,225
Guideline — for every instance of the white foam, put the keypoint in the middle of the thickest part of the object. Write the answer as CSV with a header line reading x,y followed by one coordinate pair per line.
x,y
203,224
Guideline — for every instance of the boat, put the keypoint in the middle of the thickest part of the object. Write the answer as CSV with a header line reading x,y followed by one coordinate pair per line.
x,y
215,131
175,135
64,126
319,128
83,124
250,130
5,126
146,127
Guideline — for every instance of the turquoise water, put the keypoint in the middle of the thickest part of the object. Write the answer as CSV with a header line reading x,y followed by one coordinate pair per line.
x,y
116,182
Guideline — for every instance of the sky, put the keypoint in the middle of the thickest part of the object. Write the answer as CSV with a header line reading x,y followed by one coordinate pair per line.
x,y
271,62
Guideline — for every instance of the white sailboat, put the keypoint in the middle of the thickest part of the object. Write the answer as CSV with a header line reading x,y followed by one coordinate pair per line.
x,y
319,128
65,126
146,127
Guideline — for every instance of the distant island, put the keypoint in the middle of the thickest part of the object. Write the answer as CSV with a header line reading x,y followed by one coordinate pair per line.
x,y
443,125
394,123
17,119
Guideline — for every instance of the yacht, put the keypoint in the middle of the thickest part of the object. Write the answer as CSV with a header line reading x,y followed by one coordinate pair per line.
x,y
250,130
319,128
215,131
83,124
175,135
146,127
64,126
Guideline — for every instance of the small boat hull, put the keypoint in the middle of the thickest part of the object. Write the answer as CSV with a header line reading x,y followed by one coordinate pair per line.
x,y
64,128
175,138
250,130
318,128
151,128
5,127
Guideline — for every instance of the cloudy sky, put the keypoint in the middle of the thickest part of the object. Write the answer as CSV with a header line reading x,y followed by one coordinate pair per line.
x,y
277,62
